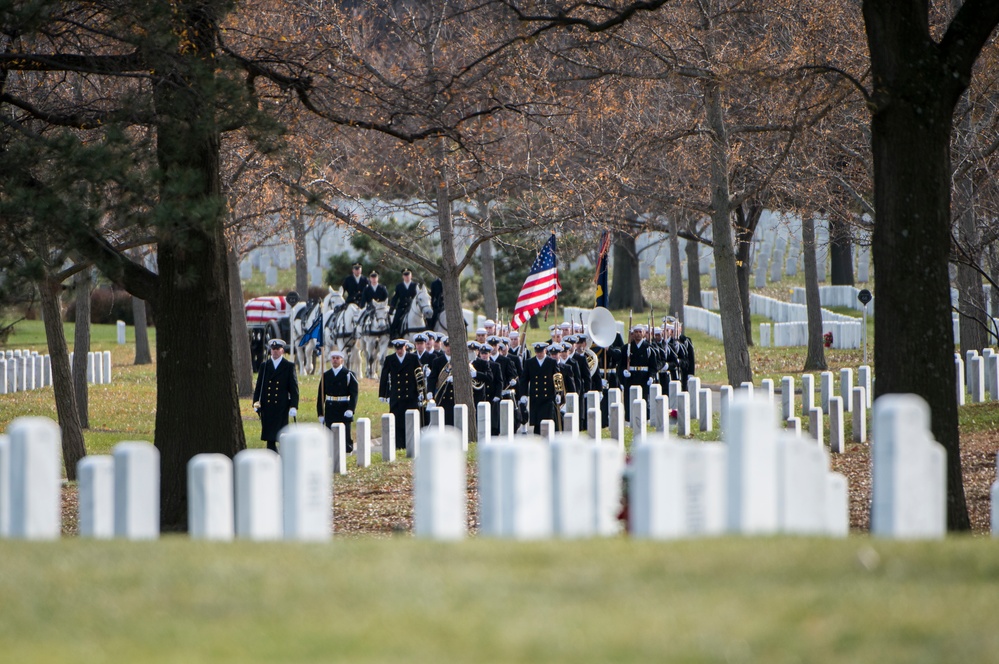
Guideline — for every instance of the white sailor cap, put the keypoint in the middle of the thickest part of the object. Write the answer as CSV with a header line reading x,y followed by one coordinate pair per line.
x,y
480,330
490,323
336,352
276,343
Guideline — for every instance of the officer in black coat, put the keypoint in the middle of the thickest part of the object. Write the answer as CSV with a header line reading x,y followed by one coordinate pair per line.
x,y
337,396
483,385
537,388
403,298
354,285
637,366
275,397
440,382
398,388
374,291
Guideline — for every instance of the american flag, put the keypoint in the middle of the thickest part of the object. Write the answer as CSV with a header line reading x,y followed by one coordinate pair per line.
x,y
541,287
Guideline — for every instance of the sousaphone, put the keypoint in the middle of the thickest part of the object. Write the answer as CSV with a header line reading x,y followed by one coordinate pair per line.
x,y
603,331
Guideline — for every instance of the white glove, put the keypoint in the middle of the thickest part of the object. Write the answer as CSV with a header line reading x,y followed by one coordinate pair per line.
x,y
649,383
348,414
604,384
496,399
383,399
626,373
292,412
256,406
473,373
430,402
562,410
322,420
558,398
512,383
523,400
450,379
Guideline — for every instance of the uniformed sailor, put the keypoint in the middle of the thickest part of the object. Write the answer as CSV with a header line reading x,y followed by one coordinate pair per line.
x,y
537,388
398,387
354,285
275,397
337,396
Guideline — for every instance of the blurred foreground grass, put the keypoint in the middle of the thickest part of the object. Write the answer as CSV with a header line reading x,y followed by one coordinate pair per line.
x,y
728,600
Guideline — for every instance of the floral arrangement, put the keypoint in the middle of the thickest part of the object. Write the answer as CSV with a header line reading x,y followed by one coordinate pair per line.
x,y
827,339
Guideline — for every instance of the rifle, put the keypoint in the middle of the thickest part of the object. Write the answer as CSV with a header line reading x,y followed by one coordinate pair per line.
x,y
628,332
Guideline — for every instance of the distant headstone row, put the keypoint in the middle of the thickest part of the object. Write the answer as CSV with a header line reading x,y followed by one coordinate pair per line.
x,y
22,370
835,296
977,376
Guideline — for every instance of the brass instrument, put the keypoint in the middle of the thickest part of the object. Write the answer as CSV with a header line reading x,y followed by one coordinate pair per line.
x,y
477,385
421,384
559,380
591,360
442,380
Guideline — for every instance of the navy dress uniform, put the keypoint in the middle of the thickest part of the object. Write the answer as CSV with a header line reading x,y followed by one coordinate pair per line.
x,y
337,397
354,285
637,366
537,388
399,388
440,384
275,396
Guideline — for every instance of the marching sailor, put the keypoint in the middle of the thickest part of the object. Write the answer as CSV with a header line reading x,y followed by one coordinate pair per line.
x,y
337,396
399,387
537,388
275,397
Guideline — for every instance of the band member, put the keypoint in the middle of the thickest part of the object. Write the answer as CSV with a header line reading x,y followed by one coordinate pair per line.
x,y
483,386
354,285
511,373
337,396
398,387
275,397
516,348
399,306
425,358
440,382
537,388
636,367
373,292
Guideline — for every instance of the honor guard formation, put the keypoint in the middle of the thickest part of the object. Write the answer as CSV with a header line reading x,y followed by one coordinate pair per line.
x,y
418,374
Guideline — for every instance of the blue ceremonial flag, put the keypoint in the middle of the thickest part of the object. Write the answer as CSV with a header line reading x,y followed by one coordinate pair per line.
x,y
314,332
601,277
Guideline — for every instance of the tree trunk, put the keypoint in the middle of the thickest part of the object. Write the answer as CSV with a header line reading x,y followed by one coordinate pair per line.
x,y
816,359
241,361
489,297
733,329
675,269
993,253
745,229
81,345
197,409
973,319
840,252
626,282
301,257
142,355
73,447
693,250
912,105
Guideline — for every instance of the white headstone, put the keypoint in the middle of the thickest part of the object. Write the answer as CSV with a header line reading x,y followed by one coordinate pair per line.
x,y
660,408
440,487
572,488
959,369
506,425
547,430
693,387
483,421
859,415
991,376
3,375
837,435
258,506
515,490
752,468
388,438
121,332
306,482
34,474
793,426
461,424
767,388
802,469
683,415
846,388
616,425
787,398
414,421
725,395
807,393
4,485
593,424
136,490
362,442
655,421
210,512
837,505
864,381
826,379
106,374
570,424
338,448
639,422
95,499
816,426
976,378
746,389
675,387
608,473
908,471
705,408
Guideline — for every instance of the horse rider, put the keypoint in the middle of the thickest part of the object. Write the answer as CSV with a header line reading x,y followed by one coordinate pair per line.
x,y
436,301
398,388
275,396
354,285
405,291
373,292
337,396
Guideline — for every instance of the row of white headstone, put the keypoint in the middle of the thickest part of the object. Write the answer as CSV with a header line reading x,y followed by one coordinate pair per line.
x,y
22,370
759,480
977,376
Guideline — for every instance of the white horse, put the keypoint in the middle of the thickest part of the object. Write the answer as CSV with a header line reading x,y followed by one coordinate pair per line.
x,y
441,324
301,322
416,317
340,323
373,331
